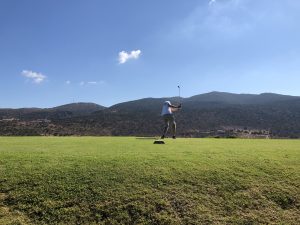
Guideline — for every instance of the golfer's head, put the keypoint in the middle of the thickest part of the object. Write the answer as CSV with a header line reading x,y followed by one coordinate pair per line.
x,y
167,103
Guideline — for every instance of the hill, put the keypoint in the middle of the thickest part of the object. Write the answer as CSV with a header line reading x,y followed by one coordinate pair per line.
x,y
215,114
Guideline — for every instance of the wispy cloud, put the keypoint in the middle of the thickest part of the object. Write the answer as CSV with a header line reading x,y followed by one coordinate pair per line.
x,y
34,76
211,2
85,83
68,82
226,19
92,82
234,19
125,56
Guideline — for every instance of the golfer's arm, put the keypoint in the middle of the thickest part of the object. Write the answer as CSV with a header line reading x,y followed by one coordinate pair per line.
x,y
173,106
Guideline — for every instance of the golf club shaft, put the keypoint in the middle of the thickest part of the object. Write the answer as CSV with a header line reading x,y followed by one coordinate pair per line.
x,y
179,94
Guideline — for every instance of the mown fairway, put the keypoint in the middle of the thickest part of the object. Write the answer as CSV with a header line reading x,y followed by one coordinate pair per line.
x,y
90,180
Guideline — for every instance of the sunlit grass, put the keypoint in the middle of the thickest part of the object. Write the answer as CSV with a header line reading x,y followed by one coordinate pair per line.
x,y
90,180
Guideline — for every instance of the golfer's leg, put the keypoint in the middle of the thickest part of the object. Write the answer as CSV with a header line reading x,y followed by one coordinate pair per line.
x,y
166,127
174,128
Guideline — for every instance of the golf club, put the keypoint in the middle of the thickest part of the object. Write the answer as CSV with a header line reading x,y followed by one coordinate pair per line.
x,y
179,99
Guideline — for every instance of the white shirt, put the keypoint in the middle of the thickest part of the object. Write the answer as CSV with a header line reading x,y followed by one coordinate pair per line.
x,y
166,109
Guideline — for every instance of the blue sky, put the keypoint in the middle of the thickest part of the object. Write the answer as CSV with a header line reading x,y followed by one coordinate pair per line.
x,y
54,52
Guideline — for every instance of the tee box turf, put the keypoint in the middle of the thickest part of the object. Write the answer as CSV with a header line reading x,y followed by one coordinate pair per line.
x,y
158,142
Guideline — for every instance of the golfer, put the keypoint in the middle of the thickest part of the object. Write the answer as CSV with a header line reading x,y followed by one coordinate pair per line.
x,y
168,117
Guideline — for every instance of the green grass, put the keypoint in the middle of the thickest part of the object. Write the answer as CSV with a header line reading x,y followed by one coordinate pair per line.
x,y
106,180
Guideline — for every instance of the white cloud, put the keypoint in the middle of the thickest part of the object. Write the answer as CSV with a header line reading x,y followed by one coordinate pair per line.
x,y
36,77
81,83
125,56
68,82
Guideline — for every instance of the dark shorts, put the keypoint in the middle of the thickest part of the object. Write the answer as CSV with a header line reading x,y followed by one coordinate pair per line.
x,y
169,118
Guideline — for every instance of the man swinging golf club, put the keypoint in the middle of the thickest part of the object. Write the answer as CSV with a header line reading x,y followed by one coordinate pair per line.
x,y
168,117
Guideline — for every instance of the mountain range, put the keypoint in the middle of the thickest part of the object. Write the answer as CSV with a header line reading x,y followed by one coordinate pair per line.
x,y
210,114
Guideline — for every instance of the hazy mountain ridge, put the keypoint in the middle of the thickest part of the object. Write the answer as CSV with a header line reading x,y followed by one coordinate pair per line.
x,y
231,98
63,111
80,108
